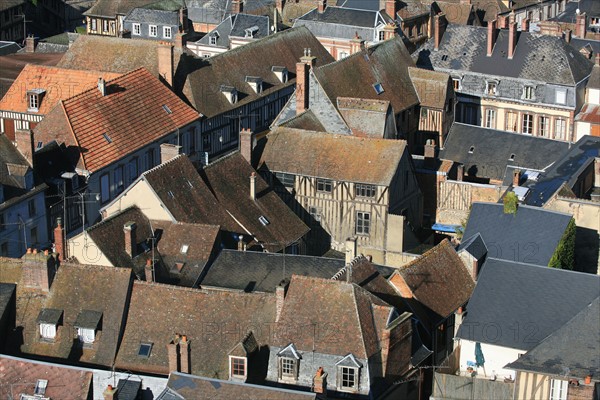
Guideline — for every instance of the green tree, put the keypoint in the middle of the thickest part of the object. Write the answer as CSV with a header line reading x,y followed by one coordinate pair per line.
x,y
511,202
564,255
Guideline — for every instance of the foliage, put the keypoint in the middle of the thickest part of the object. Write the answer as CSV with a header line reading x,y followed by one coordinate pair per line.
x,y
564,255
81,30
511,202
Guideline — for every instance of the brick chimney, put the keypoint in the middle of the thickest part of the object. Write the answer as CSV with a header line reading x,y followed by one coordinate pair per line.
x,y
320,381
280,292
30,44
241,243
253,186
568,34
279,4
429,154
180,40
102,86
321,5
38,270
168,152
356,44
130,238
184,354
148,271
24,141
246,144
183,20
512,36
580,24
439,26
173,353
516,177
59,240
525,25
307,61
492,35
389,31
502,22
351,249
597,59
237,6
460,172
110,393
390,8
165,61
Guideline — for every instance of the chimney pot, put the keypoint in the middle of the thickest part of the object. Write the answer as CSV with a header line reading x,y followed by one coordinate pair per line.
x,y
102,86
429,154
29,250
59,240
525,25
35,251
110,393
184,354
148,271
580,25
30,44
253,186
351,250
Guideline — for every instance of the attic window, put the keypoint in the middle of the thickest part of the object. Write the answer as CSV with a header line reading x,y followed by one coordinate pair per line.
x,y
512,157
491,88
184,248
171,195
34,97
230,92
40,387
189,184
250,32
471,149
255,83
281,73
107,138
263,220
445,57
378,88
39,145
528,93
167,109
145,349
213,38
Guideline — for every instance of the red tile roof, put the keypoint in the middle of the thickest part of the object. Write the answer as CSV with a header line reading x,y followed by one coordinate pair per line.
x,y
19,376
132,114
589,113
59,84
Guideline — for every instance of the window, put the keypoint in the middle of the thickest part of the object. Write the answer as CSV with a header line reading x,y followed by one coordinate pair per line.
x,y
543,126
528,92
33,235
104,188
184,248
213,40
348,378
560,126
145,350
86,335
365,190
167,32
315,213
288,367
286,180
47,331
263,220
378,88
492,88
527,124
40,387
93,24
118,179
511,121
561,96
34,101
342,54
136,29
381,35
324,185
237,367
490,118
558,389
456,83
31,207
471,149
104,25
153,31
363,223
132,167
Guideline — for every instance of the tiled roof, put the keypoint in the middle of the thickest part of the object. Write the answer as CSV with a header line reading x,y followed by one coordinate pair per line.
x,y
495,150
412,8
342,314
58,83
439,280
132,114
433,88
307,121
529,236
262,272
589,113
13,64
538,300
573,350
229,180
253,59
19,377
213,321
76,289
366,118
339,157
110,8
386,63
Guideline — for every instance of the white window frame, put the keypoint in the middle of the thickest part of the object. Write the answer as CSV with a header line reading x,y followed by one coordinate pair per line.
x,y
136,29
34,101
491,88
324,185
362,225
543,126
527,124
47,331
153,28
561,96
231,371
558,389
105,25
212,40
93,24
512,116
86,335
169,30
529,93
490,118
346,370
560,128
288,376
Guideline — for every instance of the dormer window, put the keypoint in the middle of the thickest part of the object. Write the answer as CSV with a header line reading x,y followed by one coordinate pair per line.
x,y
212,39
237,368
561,96
230,92
528,93
239,356
491,88
348,374
456,83
289,360
34,98
40,387
281,73
48,320
250,32
255,83
87,325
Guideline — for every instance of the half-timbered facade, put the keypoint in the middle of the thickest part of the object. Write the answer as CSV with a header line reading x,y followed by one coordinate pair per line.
x,y
346,187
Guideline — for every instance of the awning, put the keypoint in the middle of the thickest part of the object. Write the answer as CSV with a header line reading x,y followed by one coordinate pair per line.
x,y
446,228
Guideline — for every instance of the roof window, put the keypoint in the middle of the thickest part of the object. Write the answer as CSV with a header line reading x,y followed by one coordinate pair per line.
x,y
378,88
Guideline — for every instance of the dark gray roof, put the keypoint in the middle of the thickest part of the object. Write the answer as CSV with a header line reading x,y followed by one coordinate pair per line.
x,y
578,44
540,58
371,5
518,305
529,236
7,291
207,11
8,48
566,170
493,149
49,316
236,25
475,246
573,350
88,319
128,389
590,7
159,17
336,22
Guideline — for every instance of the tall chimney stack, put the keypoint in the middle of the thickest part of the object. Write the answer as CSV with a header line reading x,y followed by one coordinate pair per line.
x,y
525,25
439,24
246,144
580,22
59,240
184,354
173,354
102,86
30,44
253,186
350,249
502,22
568,34
148,271
491,37
390,8
512,36
516,177
280,292
307,62
130,238
429,154
321,5
165,62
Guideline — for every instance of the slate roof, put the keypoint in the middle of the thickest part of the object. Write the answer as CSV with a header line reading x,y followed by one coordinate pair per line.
x,y
245,21
565,171
494,148
372,5
537,300
229,180
313,301
594,81
366,118
439,280
262,272
206,11
306,121
590,7
455,12
433,88
339,157
77,289
157,312
19,376
529,236
8,48
474,245
162,17
8,4
573,350
343,23
189,387
202,87
13,167
112,8
386,63
58,83
7,291
539,58
132,114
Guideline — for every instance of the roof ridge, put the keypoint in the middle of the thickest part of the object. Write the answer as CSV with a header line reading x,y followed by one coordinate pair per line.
x,y
162,164
204,290
592,276
94,267
113,216
224,158
73,98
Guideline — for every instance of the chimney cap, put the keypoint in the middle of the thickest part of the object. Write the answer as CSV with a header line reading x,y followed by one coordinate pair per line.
x,y
129,225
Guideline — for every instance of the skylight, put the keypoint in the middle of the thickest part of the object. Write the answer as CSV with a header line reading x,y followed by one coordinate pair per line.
x,y
107,138
512,157
40,387
167,109
471,149
378,88
184,248
39,145
263,220
171,195
145,349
